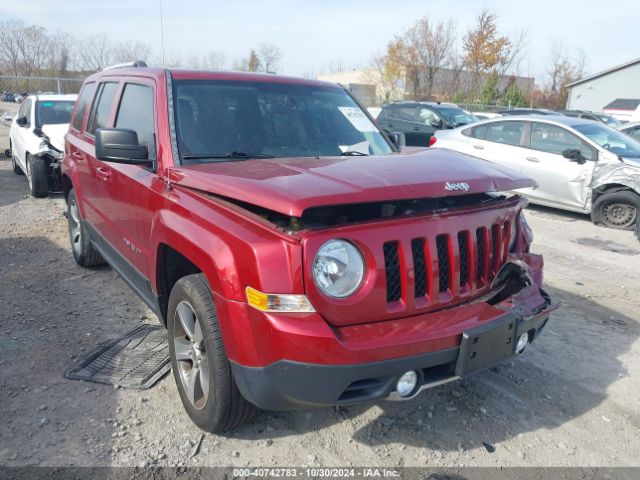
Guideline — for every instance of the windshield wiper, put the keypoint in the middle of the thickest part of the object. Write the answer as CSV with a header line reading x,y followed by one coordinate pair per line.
x,y
235,155
353,153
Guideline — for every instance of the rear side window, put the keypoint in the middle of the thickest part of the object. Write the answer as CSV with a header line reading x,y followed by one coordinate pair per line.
x,y
402,112
509,133
102,107
83,104
136,112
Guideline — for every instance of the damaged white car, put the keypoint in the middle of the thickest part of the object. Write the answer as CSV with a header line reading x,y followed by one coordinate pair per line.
x,y
579,165
37,140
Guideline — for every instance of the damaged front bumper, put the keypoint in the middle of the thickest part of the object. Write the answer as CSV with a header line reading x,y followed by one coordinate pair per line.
x,y
53,158
486,333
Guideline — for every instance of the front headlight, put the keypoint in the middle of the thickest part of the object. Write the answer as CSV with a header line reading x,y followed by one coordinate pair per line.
x,y
338,268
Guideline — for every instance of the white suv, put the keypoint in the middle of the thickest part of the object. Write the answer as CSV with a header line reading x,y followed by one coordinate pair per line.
x,y
37,140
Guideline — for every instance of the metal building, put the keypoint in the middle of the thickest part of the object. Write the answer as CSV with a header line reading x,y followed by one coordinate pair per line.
x,y
593,93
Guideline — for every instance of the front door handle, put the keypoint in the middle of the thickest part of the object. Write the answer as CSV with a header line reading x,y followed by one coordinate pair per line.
x,y
533,159
478,147
416,129
103,173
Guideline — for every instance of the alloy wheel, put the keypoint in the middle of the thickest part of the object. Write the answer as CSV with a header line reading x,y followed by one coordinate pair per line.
x,y
191,355
75,231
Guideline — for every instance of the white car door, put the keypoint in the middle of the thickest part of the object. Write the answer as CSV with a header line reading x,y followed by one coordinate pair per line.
x,y
561,181
499,142
20,132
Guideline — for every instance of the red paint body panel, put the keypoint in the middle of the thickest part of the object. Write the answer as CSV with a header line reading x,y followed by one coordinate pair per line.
x,y
235,248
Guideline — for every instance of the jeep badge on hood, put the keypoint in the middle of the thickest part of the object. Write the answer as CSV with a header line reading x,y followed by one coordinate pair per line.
x,y
452,187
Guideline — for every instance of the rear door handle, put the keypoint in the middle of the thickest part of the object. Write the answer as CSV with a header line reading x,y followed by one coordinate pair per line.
x,y
478,147
533,159
416,129
103,173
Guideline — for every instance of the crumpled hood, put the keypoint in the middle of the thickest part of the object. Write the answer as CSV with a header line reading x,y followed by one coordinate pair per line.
x,y
56,134
291,185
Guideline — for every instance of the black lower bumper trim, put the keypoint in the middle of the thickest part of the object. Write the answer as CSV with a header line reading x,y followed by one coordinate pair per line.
x,y
289,385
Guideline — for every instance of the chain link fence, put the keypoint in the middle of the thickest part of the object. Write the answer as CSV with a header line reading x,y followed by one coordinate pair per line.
x,y
14,89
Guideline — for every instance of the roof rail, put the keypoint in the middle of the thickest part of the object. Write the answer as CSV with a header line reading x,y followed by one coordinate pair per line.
x,y
135,63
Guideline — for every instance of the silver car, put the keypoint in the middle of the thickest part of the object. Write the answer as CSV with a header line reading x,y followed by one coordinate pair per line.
x,y
579,165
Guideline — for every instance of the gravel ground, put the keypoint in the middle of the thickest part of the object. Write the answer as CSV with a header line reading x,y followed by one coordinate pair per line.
x,y
572,399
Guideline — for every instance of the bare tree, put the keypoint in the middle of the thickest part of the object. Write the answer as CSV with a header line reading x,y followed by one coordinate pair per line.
x,y
60,58
336,65
426,47
215,60
130,51
561,71
11,40
96,52
33,49
270,56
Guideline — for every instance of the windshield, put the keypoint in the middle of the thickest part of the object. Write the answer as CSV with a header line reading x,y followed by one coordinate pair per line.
x,y
53,112
609,120
456,116
610,139
229,120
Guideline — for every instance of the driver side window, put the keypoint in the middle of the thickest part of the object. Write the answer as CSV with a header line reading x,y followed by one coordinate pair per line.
x,y
25,111
554,139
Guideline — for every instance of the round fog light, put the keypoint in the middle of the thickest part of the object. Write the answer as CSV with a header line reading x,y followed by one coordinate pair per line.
x,y
407,383
523,340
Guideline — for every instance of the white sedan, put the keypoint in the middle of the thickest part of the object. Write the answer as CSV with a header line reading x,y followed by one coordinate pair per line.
x,y
579,165
37,140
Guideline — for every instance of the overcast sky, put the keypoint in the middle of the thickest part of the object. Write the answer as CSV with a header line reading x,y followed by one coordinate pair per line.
x,y
312,33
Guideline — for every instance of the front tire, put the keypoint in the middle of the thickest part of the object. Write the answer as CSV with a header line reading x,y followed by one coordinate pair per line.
x,y
38,177
83,251
198,359
616,210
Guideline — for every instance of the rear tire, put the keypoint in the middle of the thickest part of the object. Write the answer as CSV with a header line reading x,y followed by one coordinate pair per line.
x,y
198,359
616,210
83,251
38,176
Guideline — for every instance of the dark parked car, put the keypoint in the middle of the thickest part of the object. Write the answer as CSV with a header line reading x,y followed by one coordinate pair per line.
x,y
419,120
530,111
597,117
8,97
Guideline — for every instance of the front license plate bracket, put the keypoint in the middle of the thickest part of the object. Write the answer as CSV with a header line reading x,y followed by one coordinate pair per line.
x,y
487,345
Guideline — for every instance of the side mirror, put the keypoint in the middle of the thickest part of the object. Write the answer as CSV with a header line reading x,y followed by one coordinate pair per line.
x,y
574,155
398,139
436,124
120,145
22,121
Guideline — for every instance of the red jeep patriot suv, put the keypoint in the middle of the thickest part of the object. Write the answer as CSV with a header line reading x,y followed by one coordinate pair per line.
x,y
297,255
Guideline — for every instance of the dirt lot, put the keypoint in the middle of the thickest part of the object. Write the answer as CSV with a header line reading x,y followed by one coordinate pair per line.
x,y
572,399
